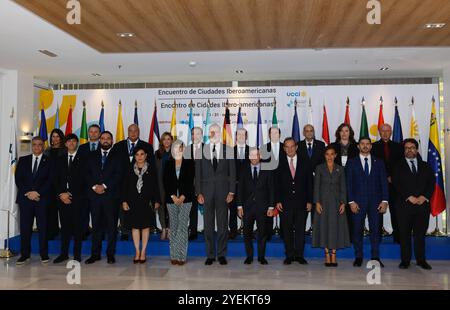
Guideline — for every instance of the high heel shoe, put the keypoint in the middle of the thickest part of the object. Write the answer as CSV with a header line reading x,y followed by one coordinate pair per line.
x,y
333,259
327,258
143,261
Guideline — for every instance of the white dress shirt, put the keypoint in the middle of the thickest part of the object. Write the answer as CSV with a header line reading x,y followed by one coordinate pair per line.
x,y
363,161
38,161
217,151
294,160
275,147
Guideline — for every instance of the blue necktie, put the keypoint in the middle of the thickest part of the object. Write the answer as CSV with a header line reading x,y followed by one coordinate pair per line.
x,y
132,149
93,147
309,150
104,159
366,166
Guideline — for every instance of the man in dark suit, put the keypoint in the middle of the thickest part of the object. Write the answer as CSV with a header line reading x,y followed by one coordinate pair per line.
x,y
390,152
255,200
294,196
104,173
215,184
33,194
194,151
367,192
84,150
270,157
241,150
71,191
414,182
311,150
125,149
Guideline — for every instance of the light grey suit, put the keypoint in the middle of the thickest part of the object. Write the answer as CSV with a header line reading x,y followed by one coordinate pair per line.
x,y
215,186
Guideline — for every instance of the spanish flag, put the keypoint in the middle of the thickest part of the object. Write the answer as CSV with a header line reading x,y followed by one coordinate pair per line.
x,y
120,134
227,137
437,202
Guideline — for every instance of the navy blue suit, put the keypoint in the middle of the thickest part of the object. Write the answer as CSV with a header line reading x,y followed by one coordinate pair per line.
x,y
104,207
30,209
368,192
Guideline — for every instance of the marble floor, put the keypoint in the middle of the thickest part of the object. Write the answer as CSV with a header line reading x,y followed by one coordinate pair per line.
x,y
158,274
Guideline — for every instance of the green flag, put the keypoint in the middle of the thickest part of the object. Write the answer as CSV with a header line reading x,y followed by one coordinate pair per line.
x,y
364,130
274,116
83,129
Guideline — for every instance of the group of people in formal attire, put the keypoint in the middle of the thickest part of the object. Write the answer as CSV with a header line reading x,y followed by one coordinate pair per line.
x,y
123,187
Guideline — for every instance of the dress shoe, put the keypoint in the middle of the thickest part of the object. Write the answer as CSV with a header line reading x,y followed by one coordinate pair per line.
x,y
181,263
111,259
173,262
45,259
424,265
22,260
263,261
143,261
92,260
378,260
222,260
210,261
358,262
60,259
77,258
287,261
232,235
403,265
136,261
301,261
124,237
333,264
192,237
248,260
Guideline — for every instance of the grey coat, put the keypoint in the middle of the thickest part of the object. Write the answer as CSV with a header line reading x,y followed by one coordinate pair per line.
x,y
330,228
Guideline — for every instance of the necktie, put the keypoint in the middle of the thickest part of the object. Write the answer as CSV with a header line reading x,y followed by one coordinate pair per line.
x,y
214,158
70,161
35,167
255,174
386,151
292,168
104,159
366,166
309,150
132,149
93,147
413,167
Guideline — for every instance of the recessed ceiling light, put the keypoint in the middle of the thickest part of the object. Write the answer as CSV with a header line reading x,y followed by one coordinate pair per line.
x,y
239,71
192,64
384,69
48,53
125,34
434,26
96,74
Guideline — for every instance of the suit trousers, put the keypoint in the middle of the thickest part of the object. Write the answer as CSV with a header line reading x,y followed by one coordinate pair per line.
x,y
358,230
193,217
216,210
250,217
105,212
27,215
71,226
293,220
415,219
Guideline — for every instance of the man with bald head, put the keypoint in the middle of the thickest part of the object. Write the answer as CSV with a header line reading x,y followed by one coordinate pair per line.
x,y
125,149
390,152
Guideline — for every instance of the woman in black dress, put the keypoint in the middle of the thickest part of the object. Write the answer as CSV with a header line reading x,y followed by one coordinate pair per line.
x,y
139,190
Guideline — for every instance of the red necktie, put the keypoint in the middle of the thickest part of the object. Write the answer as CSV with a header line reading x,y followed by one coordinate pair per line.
x,y
386,151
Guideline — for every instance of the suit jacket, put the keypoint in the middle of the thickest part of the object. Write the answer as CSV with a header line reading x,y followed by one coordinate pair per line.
x,y
298,191
408,184
318,149
353,151
26,183
267,155
111,175
259,196
366,191
239,163
73,180
395,154
122,148
329,187
222,180
85,149
189,152
184,185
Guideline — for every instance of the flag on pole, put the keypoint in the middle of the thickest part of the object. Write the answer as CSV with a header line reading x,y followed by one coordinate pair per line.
x,y
207,124
227,137
259,133
101,120
120,133
239,121
191,123
325,130
9,186
83,128
380,115
173,123
274,115
364,129
437,202
43,126
310,114
414,126
397,134
347,112
69,122
295,125
56,125
154,128
136,119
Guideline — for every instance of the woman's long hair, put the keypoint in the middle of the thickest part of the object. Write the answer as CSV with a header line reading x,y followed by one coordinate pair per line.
x,y
61,137
161,150
351,138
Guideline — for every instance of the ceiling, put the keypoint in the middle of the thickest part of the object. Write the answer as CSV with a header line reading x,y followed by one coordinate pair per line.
x,y
22,34
215,25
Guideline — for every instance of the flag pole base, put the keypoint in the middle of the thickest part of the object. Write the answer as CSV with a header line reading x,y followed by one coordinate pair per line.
x,y
437,233
366,232
385,233
6,253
